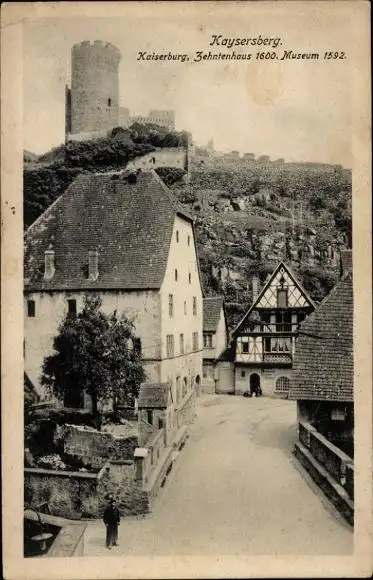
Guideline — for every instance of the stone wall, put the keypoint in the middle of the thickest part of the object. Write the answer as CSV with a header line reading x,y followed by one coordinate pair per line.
x,y
121,482
165,157
186,413
69,494
268,379
94,448
77,495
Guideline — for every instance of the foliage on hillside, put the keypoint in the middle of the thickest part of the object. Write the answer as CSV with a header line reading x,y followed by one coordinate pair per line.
x,y
49,175
157,136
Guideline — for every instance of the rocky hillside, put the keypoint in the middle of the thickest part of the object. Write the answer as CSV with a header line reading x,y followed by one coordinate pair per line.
x,y
249,216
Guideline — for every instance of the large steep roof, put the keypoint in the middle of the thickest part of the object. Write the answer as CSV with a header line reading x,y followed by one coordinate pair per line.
x,y
323,364
212,306
129,224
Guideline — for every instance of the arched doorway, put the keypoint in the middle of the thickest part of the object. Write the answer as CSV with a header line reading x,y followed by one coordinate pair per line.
x,y
255,385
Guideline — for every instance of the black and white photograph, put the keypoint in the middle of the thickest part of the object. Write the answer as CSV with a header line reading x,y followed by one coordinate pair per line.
x,y
193,393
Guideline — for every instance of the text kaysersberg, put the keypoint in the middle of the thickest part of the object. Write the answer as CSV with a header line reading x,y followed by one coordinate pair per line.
x,y
220,40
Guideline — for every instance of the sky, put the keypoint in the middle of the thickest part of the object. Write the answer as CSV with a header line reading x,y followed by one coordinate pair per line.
x,y
298,110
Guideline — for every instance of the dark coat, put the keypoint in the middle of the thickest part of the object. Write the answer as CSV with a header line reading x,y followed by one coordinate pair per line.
x,y
111,515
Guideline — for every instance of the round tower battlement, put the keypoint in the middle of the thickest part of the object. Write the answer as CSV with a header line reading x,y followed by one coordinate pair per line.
x,y
94,86
89,47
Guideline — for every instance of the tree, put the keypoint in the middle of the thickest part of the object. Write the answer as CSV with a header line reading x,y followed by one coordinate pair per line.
x,y
97,354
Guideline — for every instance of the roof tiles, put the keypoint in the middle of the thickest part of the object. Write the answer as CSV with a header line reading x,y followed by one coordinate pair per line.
x,y
323,365
212,306
129,224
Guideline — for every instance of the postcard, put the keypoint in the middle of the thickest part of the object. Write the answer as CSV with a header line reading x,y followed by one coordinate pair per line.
x,y
186,290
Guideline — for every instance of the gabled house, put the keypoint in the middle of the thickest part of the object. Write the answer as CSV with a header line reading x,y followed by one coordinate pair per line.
x,y
323,370
125,237
154,406
264,340
215,340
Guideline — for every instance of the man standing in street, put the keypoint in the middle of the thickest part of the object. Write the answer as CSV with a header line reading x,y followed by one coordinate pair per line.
x,y
111,521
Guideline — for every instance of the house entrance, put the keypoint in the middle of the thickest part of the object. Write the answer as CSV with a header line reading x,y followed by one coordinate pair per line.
x,y
255,385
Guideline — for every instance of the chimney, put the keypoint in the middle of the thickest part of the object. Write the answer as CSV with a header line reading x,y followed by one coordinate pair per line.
x,y
255,287
49,264
93,265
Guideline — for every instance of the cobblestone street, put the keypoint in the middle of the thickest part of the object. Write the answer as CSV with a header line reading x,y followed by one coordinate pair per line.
x,y
235,490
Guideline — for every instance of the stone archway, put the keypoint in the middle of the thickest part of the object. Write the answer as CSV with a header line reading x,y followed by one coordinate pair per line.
x,y
255,388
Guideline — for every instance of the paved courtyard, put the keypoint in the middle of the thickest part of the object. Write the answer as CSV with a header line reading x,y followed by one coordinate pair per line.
x,y
235,490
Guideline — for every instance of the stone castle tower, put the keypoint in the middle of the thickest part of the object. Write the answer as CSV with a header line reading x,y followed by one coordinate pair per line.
x,y
92,103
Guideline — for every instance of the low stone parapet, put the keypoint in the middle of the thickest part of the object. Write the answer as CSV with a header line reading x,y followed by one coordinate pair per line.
x,y
93,448
69,494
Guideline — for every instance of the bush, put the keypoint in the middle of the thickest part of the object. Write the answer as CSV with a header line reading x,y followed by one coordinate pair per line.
x,y
170,175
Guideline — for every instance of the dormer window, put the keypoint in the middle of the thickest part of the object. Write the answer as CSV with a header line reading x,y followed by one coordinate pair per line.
x,y
93,265
282,298
49,264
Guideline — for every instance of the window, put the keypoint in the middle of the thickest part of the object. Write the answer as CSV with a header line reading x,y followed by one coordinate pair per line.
x,y
160,423
279,345
175,275
207,340
243,374
266,319
283,321
181,344
171,305
177,235
109,102
208,371
185,387
185,307
338,414
282,298
190,278
178,393
195,341
31,308
71,306
149,416
170,345
194,306
301,317
245,347
282,384
188,240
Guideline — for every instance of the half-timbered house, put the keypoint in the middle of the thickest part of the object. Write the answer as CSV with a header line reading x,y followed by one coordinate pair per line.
x,y
264,340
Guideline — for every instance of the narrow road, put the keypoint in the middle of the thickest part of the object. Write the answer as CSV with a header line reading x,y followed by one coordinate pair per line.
x,y
235,490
